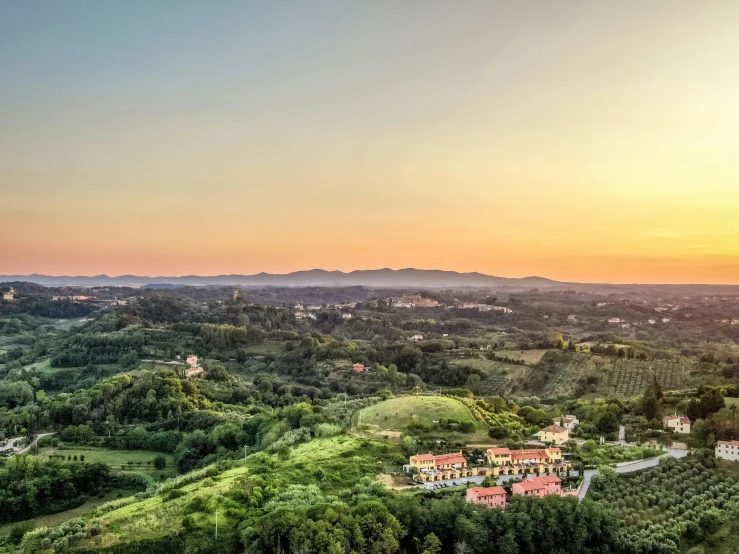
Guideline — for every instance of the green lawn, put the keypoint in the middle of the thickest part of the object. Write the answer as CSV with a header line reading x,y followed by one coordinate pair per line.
x,y
395,414
116,458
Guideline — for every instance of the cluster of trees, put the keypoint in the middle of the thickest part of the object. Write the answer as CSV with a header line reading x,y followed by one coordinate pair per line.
x,y
30,487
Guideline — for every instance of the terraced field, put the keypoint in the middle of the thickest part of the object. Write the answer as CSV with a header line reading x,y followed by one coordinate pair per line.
x,y
501,378
632,377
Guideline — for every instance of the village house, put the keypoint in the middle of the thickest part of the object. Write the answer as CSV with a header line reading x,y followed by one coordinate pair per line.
x,y
728,450
538,486
416,338
359,368
554,434
677,423
10,295
492,497
346,316
194,372
567,421
614,320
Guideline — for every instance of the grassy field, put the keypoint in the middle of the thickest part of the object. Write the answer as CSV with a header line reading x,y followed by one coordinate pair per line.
x,y
143,460
57,519
343,460
395,414
731,401
524,356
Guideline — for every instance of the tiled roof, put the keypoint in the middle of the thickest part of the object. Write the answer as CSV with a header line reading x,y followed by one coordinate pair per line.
x,y
455,458
423,458
554,429
729,443
536,483
499,451
486,491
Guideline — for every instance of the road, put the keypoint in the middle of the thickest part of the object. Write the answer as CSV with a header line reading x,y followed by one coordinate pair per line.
x,y
628,467
31,444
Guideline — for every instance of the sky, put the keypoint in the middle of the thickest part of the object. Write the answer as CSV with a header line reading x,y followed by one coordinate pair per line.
x,y
592,141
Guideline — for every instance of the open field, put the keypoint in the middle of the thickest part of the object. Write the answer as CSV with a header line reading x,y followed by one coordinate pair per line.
x,y
396,413
731,401
142,460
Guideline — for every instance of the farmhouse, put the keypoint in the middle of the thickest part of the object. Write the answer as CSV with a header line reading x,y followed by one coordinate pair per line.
x,y
359,368
194,372
492,497
416,338
728,450
554,434
10,295
677,423
538,486
567,421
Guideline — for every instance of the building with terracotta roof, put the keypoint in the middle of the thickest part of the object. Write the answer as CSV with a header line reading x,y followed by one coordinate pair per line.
x,y
440,467
568,421
554,434
538,486
492,497
679,424
526,462
728,450
359,368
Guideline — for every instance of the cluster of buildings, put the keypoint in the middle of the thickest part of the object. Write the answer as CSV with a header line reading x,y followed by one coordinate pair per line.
x,y
412,301
499,462
496,497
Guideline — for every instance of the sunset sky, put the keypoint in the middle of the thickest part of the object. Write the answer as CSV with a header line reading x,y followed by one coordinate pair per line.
x,y
582,141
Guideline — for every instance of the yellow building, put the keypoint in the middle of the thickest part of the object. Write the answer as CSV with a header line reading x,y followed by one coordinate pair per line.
x,y
554,434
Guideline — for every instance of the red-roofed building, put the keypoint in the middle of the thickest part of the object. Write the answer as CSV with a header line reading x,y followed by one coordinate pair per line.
x,y
538,486
554,434
679,424
728,450
492,497
526,462
359,368
440,467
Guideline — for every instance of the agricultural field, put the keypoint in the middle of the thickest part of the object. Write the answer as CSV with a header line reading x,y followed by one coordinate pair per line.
x,y
731,401
689,491
501,377
631,377
528,357
140,461
396,413
566,382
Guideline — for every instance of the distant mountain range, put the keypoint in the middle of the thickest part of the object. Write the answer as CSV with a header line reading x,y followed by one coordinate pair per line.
x,y
314,277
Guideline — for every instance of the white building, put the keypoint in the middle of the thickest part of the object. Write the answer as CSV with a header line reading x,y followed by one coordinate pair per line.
x,y
568,421
728,450
416,338
677,423
614,320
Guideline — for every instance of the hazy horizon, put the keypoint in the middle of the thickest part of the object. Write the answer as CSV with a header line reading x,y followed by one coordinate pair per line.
x,y
574,140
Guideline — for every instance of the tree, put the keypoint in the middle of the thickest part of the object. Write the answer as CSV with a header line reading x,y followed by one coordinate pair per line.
x,y
431,544
160,462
